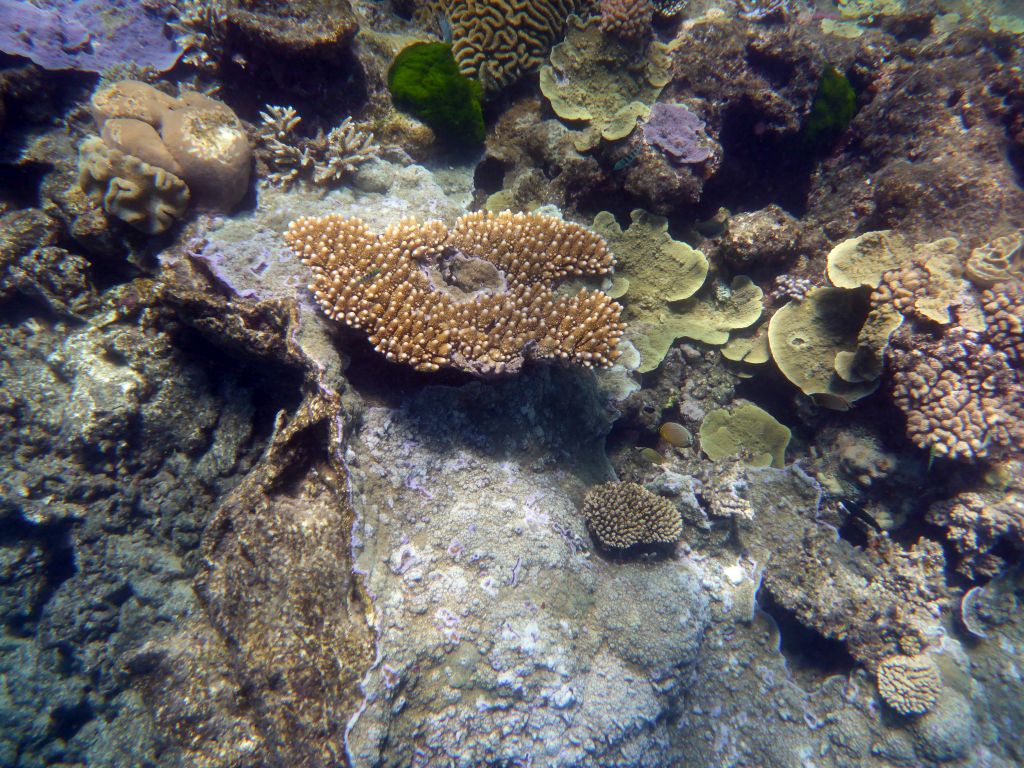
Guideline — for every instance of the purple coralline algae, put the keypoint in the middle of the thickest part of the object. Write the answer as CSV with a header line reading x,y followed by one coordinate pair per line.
x,y
85,35
677,132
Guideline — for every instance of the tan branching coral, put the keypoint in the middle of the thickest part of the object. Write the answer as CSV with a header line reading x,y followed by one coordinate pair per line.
x,y
1004,314
201,30
909,684
480,296
628,20
622,515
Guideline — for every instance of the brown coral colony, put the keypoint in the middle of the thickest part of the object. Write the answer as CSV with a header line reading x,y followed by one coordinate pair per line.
x,y
481,296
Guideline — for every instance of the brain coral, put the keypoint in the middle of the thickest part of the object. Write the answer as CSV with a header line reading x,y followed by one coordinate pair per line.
x,y
480,297
909,684
497,41
621,515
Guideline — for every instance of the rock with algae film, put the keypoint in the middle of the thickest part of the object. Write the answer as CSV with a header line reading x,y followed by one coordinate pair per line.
x,y
598,81
747,431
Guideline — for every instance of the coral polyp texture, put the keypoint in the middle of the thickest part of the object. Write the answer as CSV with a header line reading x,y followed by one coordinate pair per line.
x,y
628,20
623,515
909,684
481,297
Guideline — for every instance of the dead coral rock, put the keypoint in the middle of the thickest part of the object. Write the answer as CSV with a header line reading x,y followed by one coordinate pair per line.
x,y
622,515
909,684
758,238
392,286
976,521
298,27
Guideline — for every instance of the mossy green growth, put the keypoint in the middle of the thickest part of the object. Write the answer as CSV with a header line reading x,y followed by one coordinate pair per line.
x,y
834,105
425,80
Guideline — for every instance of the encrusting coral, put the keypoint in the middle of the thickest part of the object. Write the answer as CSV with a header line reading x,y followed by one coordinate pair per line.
x,y
622,515
480,296
597,79
909,684
747,430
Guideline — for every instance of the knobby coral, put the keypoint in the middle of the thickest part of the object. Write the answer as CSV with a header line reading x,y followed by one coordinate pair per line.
x,y
622,515
481,296
628,20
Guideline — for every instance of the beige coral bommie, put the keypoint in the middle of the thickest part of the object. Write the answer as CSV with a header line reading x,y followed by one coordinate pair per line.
x,y
621,515
480,296
909,684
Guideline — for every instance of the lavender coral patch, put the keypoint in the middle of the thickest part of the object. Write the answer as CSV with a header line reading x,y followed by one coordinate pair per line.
x,y
677,132
85,35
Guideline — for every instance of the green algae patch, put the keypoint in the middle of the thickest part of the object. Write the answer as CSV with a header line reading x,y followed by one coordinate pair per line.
x,y
748,431
805,338
660,282
425,80
596,79
834,105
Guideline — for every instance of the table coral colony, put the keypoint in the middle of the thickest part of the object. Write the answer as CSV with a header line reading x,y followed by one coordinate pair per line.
x,y
480,297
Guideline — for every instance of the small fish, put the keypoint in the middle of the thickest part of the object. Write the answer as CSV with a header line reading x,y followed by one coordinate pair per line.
x,y
369,275
445,26
628,159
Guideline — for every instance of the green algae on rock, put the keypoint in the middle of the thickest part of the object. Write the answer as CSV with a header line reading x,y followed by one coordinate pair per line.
x,y
596,79
425,79
746,430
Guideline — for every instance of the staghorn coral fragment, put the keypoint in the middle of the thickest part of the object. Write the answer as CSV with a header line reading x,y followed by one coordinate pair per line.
x,y
909,684
480,296
594,79
623,515
746,430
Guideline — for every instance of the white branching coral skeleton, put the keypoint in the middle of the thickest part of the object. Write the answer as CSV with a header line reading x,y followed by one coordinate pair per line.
x,y
200,31
324,160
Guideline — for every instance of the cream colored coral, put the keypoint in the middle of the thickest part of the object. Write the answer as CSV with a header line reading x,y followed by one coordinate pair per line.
x,y
480,297
997,261
909,684
622,515
145,196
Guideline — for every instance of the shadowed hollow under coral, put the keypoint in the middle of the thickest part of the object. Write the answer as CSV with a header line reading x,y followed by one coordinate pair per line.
x,y
480,297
